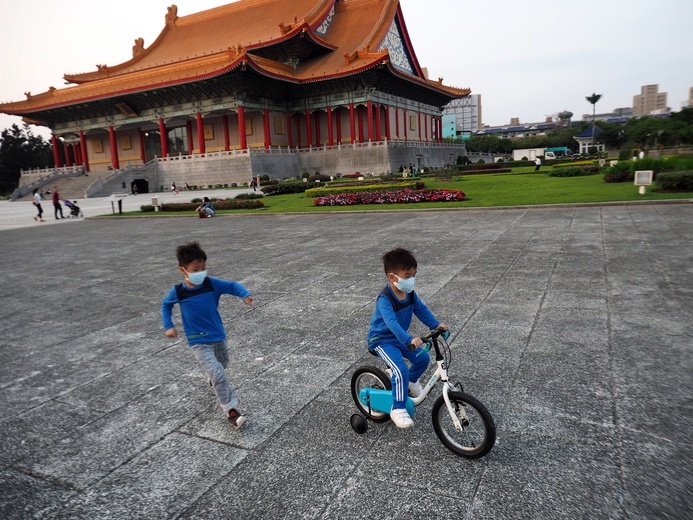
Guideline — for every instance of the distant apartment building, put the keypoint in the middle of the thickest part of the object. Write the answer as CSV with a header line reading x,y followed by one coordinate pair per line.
x,y
467,114
690,98
650,101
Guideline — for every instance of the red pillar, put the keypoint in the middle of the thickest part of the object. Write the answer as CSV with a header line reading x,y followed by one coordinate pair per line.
x,y
298,130
163,137
406,125
66,151
114,148
330,136
188,130
308,131
359,116
83,148
143,153
288,130
369,109
352,123
317,129
339,124
56,152
377,123
387,122
397,122
200,133
426,125
241,128
76,154
266,125
227,141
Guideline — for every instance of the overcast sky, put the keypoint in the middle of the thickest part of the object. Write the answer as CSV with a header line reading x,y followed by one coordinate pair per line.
x,y
528,59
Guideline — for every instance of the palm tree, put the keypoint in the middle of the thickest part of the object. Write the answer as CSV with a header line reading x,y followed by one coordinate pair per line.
x,y
593,99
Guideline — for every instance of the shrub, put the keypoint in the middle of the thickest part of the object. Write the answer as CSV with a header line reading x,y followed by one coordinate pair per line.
x,y
248,196
325,191
353,175
573,171
218,205
390,197
319,177
287,188
675,181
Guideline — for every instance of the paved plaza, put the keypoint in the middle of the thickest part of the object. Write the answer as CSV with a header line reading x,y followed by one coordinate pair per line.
x,y
572,324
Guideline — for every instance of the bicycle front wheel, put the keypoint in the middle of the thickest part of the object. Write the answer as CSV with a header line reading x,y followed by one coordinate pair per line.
x,y
369,377
478,433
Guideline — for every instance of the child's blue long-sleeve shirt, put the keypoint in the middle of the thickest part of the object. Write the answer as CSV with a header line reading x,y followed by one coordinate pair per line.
x,y
199,308
392,317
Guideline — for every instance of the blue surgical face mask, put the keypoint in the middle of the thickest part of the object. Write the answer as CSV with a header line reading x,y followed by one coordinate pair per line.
x,y
405,285
197,278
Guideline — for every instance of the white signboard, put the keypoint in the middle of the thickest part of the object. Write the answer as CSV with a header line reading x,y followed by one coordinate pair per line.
x,y
643,177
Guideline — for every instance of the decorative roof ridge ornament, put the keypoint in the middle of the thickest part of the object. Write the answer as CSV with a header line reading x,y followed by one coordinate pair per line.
x,y
102,68
172,16
235,52
363,53
138,48
284,29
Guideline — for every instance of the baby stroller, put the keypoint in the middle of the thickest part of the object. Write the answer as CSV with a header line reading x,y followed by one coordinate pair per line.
x,y
74,209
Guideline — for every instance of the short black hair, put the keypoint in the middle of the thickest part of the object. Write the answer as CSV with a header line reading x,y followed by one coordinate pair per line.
x,y
190,252
398,259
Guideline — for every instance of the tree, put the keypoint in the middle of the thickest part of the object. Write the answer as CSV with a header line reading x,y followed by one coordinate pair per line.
x,y
21,149
594,98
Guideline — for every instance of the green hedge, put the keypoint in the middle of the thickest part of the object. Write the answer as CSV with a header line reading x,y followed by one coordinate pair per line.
x,y
573,171
287,188
329,190
675,181
218,205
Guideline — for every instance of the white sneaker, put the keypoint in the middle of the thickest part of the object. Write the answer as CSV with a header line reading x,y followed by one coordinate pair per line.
x,y
415,389
401,418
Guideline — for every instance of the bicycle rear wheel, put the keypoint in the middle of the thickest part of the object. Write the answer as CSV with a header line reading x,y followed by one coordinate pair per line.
x,y
478,432
369,377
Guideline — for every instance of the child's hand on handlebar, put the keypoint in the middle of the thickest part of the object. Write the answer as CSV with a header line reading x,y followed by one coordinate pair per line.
x,y
416,343
442,326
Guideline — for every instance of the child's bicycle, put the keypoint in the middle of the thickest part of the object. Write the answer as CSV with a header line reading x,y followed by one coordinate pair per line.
x,y
460,421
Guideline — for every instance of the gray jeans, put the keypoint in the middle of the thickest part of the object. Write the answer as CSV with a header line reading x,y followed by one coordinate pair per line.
x,y
214,358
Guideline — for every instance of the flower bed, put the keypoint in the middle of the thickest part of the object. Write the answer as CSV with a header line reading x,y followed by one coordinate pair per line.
x,y
331,190
389,197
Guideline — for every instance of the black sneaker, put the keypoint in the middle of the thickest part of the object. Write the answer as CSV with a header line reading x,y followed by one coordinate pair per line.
x,y
236,419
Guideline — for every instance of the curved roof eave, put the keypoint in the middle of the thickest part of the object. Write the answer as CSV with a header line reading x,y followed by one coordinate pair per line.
x,y
297,32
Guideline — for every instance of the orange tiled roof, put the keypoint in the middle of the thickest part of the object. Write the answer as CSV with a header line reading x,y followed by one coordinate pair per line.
x,y
201,45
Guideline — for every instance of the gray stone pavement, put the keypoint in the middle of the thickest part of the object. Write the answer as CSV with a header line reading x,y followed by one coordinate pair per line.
x,y
573,326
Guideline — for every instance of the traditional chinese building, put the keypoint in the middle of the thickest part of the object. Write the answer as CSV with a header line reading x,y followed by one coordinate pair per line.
x,y
255,87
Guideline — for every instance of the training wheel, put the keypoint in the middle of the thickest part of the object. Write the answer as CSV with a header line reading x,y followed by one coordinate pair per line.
x,y
359,424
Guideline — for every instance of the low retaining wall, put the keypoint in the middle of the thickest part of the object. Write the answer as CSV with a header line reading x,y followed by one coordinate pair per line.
x,y
239,167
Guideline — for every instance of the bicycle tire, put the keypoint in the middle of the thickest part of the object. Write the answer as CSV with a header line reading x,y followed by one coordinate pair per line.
x,y
479,430
369,377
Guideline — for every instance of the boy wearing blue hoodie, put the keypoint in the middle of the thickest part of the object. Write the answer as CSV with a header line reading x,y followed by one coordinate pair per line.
x,y
198,296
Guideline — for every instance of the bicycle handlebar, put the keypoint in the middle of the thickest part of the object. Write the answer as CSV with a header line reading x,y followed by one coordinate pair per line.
x,y
429,337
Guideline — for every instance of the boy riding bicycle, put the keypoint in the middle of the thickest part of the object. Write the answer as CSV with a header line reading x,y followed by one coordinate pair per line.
x,y
388,337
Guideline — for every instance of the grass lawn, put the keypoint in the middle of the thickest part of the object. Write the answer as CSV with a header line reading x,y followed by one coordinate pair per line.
x,y
499,190
520,188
